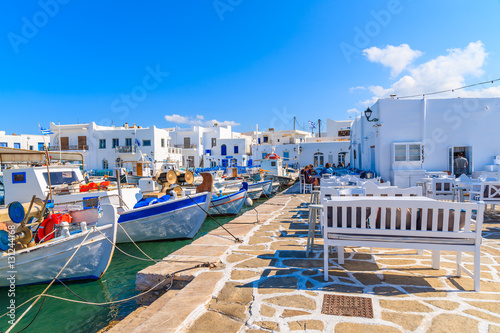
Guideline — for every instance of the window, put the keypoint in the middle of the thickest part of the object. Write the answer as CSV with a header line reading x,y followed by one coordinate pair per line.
x,y
105,164
344,133
208,152
31,147
4,144
266,139
146,143
341,159
116,143
17,145
408,152
214,142
223,150
128,142
162,143
40,146
236,149
61,177
318,159
18,177
102,143
286,155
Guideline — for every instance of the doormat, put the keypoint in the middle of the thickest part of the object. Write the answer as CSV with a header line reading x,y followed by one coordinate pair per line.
x,y
350,306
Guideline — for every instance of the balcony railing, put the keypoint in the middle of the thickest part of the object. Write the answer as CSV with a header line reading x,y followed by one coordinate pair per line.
x,y
186,146
126,149
71,147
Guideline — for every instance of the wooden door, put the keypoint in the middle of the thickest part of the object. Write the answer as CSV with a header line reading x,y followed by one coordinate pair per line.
x,y
64,143
82,142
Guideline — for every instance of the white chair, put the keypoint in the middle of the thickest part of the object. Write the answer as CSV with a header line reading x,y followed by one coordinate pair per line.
x,y
304,187
392,191
442,188
489,193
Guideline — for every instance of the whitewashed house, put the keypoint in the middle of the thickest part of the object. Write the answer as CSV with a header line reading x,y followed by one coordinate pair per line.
x,y
210,146
23,141
108,147
229,152
402,139
300,148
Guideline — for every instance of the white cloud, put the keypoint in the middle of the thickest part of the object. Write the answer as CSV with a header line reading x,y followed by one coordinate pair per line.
x,y
445,72
397,58
178,119
353,89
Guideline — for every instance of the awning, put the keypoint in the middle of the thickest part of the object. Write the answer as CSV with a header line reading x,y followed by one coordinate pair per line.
x,y
14,155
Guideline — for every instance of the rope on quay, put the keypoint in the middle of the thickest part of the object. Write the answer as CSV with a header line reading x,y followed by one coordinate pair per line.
x,y
104,304
220,225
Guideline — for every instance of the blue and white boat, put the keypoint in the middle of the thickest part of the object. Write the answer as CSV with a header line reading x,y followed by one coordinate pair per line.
x,y
158,219
91,246
167,218
229,204
266,187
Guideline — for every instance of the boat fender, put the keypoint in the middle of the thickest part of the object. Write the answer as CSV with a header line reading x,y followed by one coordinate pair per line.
x,y
83,226
248,202
65,229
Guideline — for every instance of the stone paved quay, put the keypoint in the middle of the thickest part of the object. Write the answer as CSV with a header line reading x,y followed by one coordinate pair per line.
x,y
267,284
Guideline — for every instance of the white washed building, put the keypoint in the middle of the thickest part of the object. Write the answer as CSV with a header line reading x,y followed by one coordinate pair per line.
x,y
300,148
203,146
110,147
23,141
414,136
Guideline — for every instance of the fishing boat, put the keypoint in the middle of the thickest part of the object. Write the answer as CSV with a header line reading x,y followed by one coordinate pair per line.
x,y
272,169
266,187
229,204
85,252
170,217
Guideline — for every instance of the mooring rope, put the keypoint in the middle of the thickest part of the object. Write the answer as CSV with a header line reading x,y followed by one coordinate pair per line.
x,y
208,214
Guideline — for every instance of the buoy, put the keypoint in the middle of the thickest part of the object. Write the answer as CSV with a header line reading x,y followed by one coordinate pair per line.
x,y
248,202
4,240
16,212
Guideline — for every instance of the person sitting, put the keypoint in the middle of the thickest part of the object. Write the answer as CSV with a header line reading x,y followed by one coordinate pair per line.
x,y
307,176
328,169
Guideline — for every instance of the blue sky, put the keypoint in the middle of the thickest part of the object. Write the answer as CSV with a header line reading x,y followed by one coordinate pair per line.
x,y
169,63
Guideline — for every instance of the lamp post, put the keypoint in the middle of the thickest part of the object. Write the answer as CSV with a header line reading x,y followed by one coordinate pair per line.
x,y
368,114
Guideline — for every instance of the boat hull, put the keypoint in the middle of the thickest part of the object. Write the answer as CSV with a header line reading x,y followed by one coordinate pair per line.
x,y
228,205
41,264
255,193
266,187
172,219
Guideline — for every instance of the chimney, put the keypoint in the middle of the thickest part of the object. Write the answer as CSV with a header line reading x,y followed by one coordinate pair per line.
x,y
126,125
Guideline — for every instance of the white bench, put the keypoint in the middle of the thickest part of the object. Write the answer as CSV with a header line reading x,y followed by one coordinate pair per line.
x,y
403,222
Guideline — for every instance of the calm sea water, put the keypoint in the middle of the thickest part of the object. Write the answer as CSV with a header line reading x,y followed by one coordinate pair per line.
x,y
117,283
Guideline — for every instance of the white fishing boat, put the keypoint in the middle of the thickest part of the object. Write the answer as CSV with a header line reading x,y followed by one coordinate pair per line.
x,y
229,204
275,187
266,187
171,218
84,253
272,168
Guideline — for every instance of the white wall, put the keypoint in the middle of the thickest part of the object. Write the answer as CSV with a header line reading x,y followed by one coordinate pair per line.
x,y
437,123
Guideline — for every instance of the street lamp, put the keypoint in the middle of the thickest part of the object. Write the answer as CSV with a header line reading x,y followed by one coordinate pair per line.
x,y
368,114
